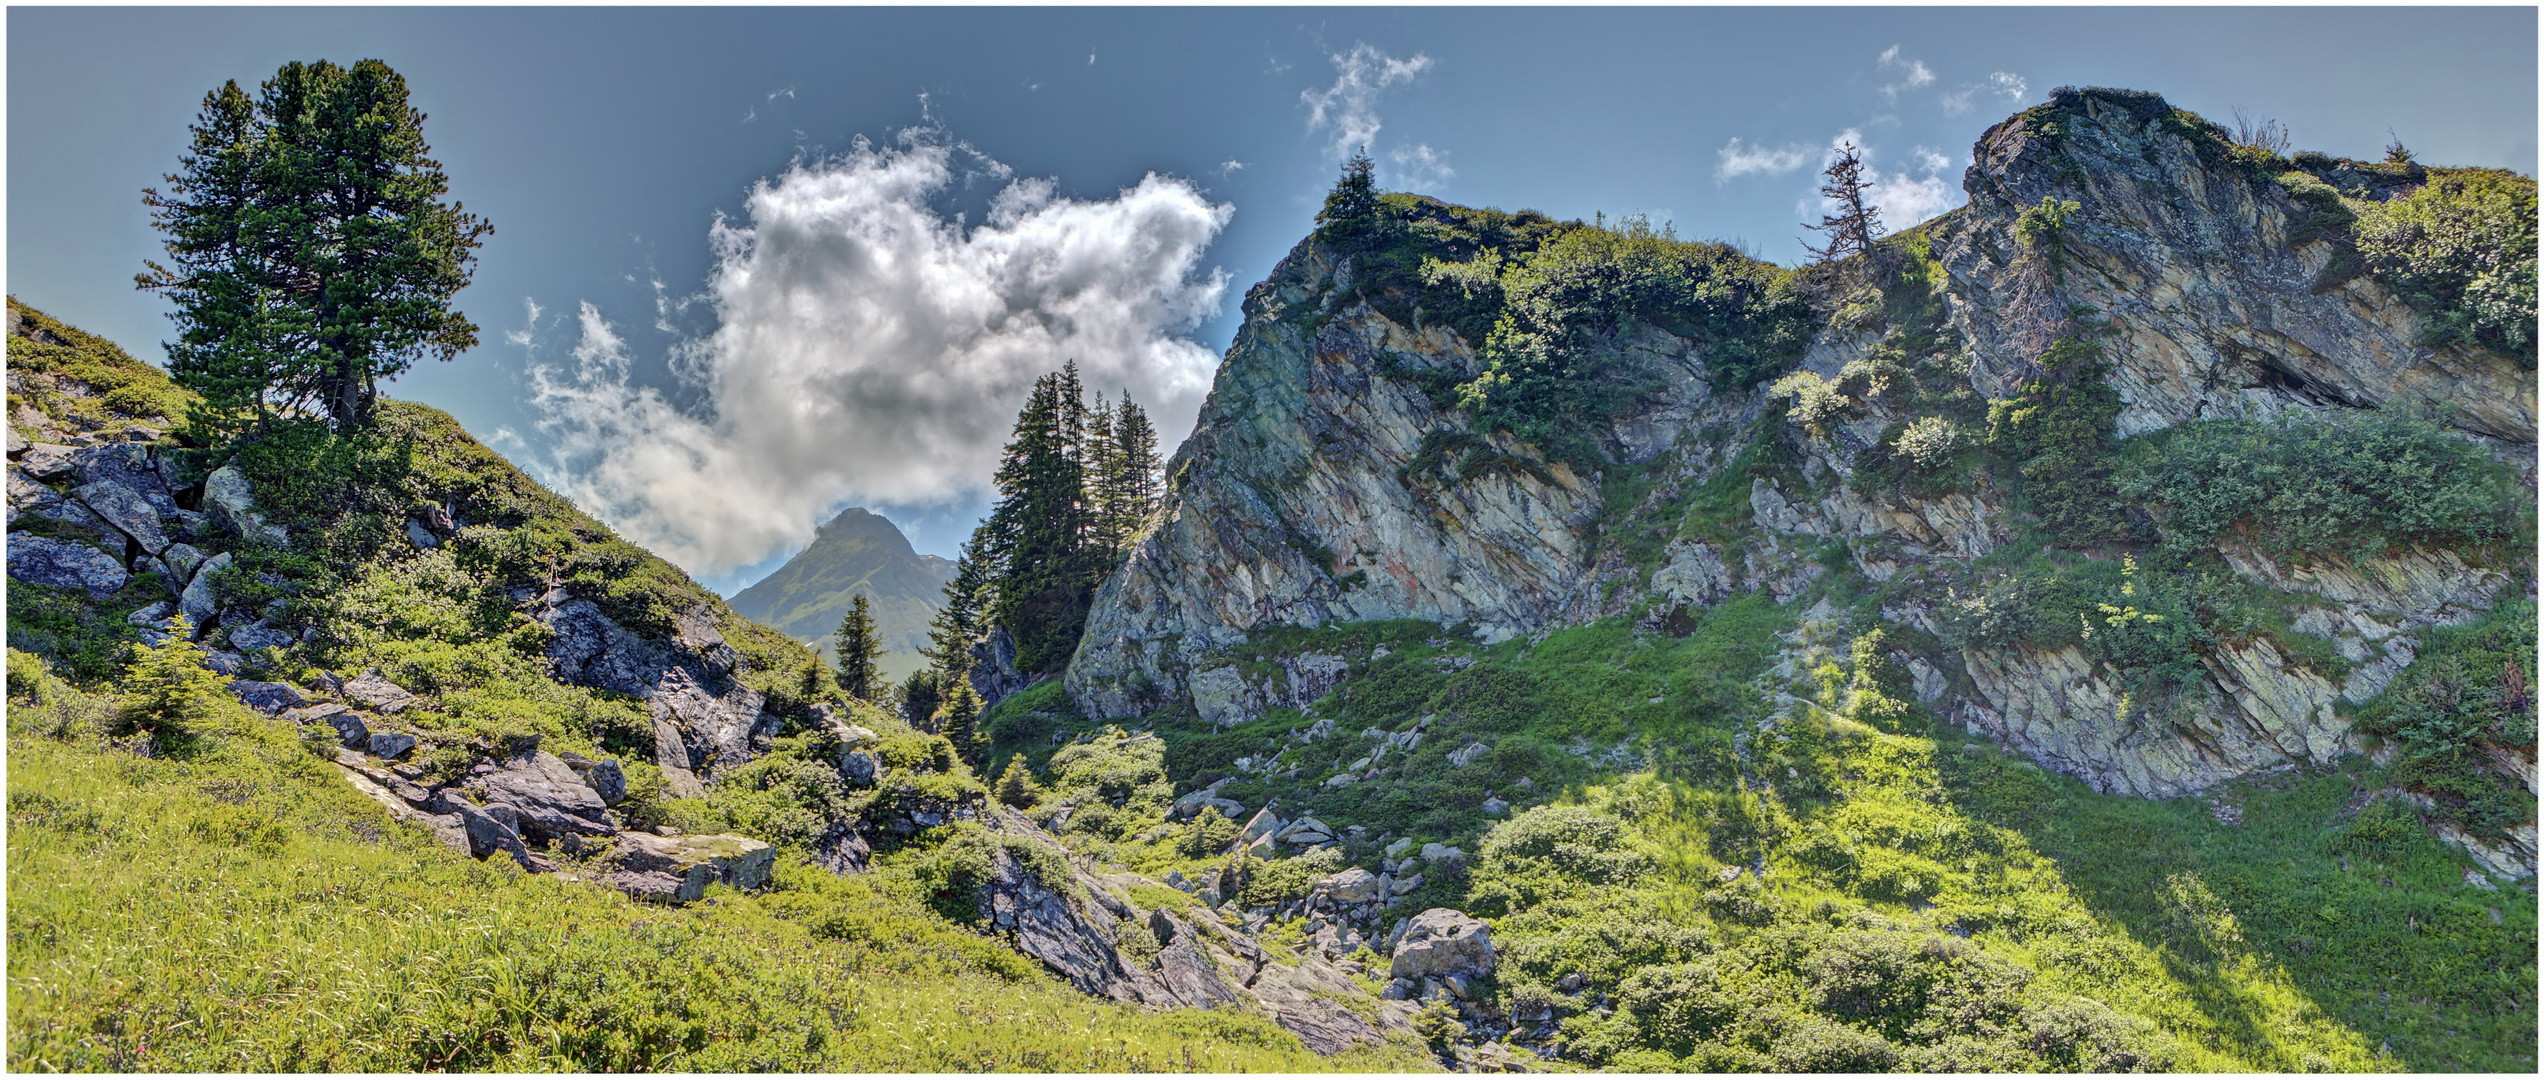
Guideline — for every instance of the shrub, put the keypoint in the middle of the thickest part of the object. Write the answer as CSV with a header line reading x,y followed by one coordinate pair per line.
x,y
2351,484
2057,434
2461,251
2042,229
2469,689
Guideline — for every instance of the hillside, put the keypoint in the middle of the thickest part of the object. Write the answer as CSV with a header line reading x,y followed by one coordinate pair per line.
x,y
857,552
2110,601
372,725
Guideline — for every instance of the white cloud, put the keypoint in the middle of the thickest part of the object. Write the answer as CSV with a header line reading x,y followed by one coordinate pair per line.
x,y
781,92
1905,197
1736,160
1350,106
530,311
1913,73
1418,167
2015,89
1230,167
870,349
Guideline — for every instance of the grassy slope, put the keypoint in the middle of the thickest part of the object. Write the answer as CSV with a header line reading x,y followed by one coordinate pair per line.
x,y
231,904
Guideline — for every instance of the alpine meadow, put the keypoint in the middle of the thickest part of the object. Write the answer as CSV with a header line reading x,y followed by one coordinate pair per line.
x,y
2078,617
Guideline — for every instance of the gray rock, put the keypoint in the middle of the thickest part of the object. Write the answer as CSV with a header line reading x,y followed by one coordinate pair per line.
x,y
224,663
420,537
17,443
607,780
46,561
350,730
1442,942
1401,845
375,690
677,870
491,829
1352,886
152,615
1443,855
201,598
259,635
551,801
269,697
25,494
859,768
47,461
231,502
1495,807
1404,885
181,561
390,744
135,466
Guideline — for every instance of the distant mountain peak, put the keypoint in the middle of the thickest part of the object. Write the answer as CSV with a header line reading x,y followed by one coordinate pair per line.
x,y
857,551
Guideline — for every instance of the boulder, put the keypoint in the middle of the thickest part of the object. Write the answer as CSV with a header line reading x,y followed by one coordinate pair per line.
x,y
152,616
1353,886
389,744
1495,807
133,466
375,690
232,505
490,829
26,494
677,870
606,779
1401,845
550,801
224,662
271,697
1401,886
416,534
17,443
1192,802
1443,855
181,561
350,730
47,461
201,599
60,563
1442,942
859,768
259,635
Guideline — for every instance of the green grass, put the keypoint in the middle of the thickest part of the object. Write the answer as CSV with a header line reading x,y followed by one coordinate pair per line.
x,y
242,909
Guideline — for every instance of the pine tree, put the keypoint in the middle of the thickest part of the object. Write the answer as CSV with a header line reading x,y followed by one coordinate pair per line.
x,y
1350,215
1040,528
858,645
958,719
1130,479
1016,785
1857,223
919,698
312,253
167,689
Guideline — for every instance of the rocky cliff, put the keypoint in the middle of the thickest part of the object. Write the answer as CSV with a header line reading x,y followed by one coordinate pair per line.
x,y
2204,287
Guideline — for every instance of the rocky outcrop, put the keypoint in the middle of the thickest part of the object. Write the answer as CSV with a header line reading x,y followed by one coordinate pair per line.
x,y
62,564
705,718
1302,498
678,869
1085,927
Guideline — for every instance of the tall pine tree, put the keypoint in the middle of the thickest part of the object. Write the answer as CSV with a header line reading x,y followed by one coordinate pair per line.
x,y
310,252
1350,218
858,646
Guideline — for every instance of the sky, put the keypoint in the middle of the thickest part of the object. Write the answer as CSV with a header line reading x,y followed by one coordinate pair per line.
x,y
751,266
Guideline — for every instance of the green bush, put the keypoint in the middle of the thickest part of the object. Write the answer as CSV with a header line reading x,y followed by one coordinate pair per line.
x,y
2057,434
2461,251
2471,688
2352,484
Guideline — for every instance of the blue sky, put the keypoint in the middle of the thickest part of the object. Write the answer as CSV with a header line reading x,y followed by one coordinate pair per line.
x,y
1121,176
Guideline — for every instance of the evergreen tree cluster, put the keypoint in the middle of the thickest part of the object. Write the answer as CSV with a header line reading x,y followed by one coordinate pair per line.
x,y
1076,487
310,254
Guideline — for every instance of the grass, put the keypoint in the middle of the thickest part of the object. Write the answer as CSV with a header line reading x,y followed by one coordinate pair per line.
x,y
243,910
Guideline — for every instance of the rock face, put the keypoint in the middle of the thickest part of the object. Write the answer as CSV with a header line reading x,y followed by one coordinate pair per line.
x,y
705,719
549,800
1298,500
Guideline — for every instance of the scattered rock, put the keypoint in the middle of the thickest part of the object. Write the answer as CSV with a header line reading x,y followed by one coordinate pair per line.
x,y
127,511
231,503
1495,807
1353,886
1442,942
375,690
1399,847
201,598
224,663
1404,885
2479,880
606,779
181,560
860,768
420,537
269,697
46,561
677,870
550,801
1443,855
259,635
350,730
390,744
46,461
152,615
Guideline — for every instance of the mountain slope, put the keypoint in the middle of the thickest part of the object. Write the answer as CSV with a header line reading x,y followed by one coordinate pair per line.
x,y
857,552
2118,558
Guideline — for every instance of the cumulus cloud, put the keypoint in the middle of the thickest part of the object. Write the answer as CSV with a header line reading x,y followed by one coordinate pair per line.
x,y
1349,108
870,348
1418,167
1736,160
1905,196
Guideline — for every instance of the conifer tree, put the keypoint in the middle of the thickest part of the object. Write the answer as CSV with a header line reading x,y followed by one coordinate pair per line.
x,y
1350,215
858,645
1129,480
310,252
1040,527
1016,785
1857,223
958,719
919,697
